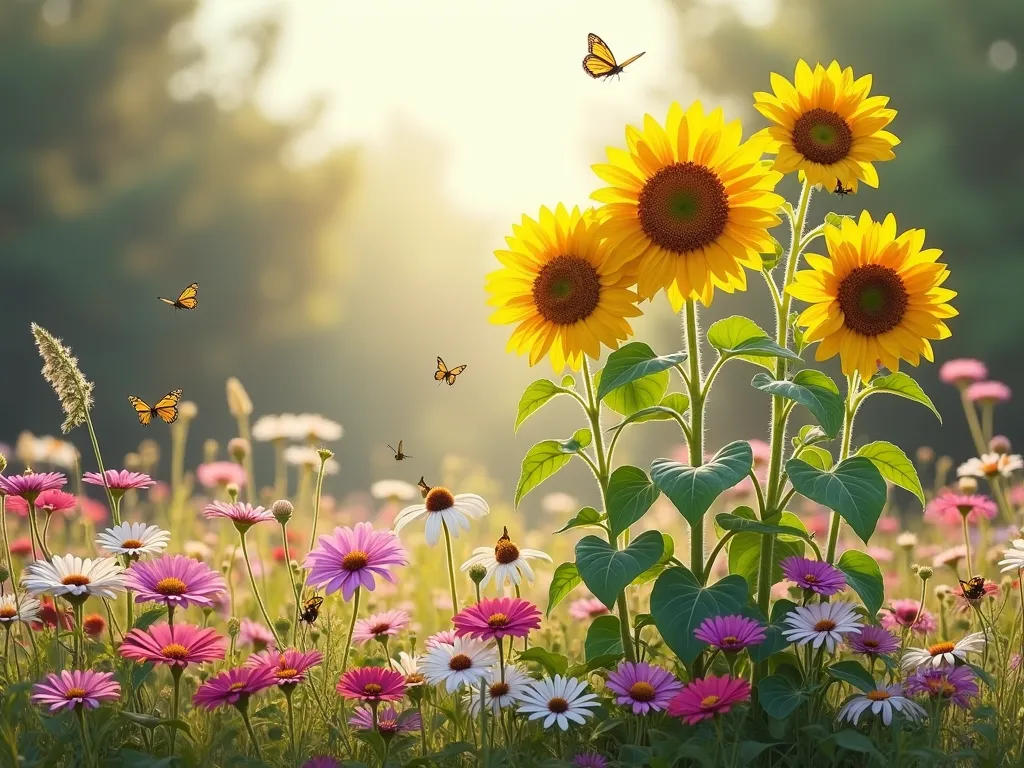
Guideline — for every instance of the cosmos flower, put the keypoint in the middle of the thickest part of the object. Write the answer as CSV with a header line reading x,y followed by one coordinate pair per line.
x,y
946,652
174,580
389,720
255,634
180,645
963,371
991,465
464,662
442,507
350,558
957,685
31,484
706,697
444,637
410,667
289,667
380,626
77,688
219,474
234,687
24,608
372,684
873,641
244,516
988,392
506,563
822,623
884,700
558,701
275,428
498,617
119,480
55,501
314,428
906,612
587,608
819,577
950,558
74,577
730,634
643,687
134,539
949,508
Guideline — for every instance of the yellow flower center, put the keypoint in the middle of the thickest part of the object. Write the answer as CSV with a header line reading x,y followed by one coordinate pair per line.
x,y
729,640
810,578
174,651
940,686
506,552
236,686
439,499
8,612
460,662
873,299
642,691
566,290
75,580
372,689
940,648
683,207
498,690
825,625
558,705
414,679
822,136
355,560
709,701
497,621
171,586
131,544
75,693
878,695
284,674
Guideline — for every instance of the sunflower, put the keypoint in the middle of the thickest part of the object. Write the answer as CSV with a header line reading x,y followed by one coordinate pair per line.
x,y
877,300
689,204
827,127
567,290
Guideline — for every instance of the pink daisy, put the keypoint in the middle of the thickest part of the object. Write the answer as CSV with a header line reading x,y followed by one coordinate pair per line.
x,y
180,645
497,617
962,372
389,720
349,558
244,516
17,505
256,635
887,524
380,625
706,697
901,614
289,667
321,762
988,392
234,686
174,580
217,474
587,608
31,484
69,690
949,507
643,687
92,510
444,637
589,760
372,684
55,501
119,480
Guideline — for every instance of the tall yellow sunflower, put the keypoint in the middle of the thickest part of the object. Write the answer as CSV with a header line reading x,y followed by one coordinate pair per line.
x,y
876,299
827,127
566,289
689,204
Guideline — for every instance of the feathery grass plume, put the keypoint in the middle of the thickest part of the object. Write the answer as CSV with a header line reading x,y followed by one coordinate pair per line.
x,y
60,369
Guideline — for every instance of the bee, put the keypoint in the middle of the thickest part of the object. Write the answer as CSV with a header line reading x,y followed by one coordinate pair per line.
x,y
424,488
311,609
841,190
973,589
399,455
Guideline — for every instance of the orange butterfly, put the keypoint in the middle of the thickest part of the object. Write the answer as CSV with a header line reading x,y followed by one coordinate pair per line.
x,y
166,408
443,374
187,299
600,61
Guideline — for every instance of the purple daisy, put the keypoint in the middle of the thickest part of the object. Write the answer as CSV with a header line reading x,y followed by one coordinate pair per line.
x,y
321,762
644,687
873,642
349,558
815,575
119,480
389,720
589,760
244,516
955,684
31,484
234,686
730,634
174,580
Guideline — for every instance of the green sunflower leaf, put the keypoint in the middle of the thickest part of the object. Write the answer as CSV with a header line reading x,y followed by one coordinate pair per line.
x,y
534,397
855,489
895,466
630,494
607,572
694,489
632,362
565,580
901,385
813,390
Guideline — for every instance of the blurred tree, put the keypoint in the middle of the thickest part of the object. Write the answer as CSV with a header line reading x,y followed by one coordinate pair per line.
x,y
129,169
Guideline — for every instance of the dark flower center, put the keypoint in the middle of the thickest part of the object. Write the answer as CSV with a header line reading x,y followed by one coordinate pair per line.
x,y
506,552
873,299
75,693
683,207
355,560
642,691
825,625
810,578
558,705
497,690
380,629
439,499
171,586
566,290
869,643
460,662
8,612
498,621
822,136
372,689
131,544
729,640
75,579
175,651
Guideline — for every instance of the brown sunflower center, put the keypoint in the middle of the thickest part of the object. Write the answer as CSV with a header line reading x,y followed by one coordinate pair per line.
x,y
131,544
558,705
873,299
683,207
822,136
709,701
566,290
506,552
171,586
75,580
174,651
76,693
372,689
498,690
878,695
497,621
355,560
642,691
439,499
460,662
940,648
825,625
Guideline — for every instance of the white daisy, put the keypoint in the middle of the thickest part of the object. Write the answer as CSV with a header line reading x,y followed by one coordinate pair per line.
x,y
822,623
506,562
883,700
134,539
465,662
500,693
906,540
558,700
75,577
1013,558
306,456
410,667
441,505
941,654
314,428
990,465
393,490
10,611
268,429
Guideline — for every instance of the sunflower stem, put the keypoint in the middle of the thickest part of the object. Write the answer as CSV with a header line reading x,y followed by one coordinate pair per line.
x,y
852,388
696,442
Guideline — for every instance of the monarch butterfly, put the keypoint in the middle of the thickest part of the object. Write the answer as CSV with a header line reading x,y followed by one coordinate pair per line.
x,y
311,609
187,299
399,455
443,374
424,488
973,589
600,61
166,408
841,190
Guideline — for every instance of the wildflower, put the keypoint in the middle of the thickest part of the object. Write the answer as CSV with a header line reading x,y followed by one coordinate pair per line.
x,y
274,428
393,490
908,613
906,540
963,604
174,580
61,371
134,539
56,501
321,762
389,720
495,618
730,634
822,623
991,465
962,372
943,653
506,563
350,558
94,624
77,688
75,578
988,392
558,700
706,697
176,646
239,403
464,662
25,609
31,484
588,760
118,481
689,215
234,687
957,685
950,557
443,508
444,637
380,626
587,608
289,666
502,690
884,700
410,667
1013,558
817,576
873,642
314,428
21,546
643,687
308,457
372,684
244,516
255,634
950,507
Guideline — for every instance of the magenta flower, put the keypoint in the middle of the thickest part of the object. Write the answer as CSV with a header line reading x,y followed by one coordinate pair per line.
x,y
444,637
69,690
949,508
372,684
873,641
119,480
380,625
174,580
817,576
349,558
955,684
706,697
643,687
256,635
217,474
234,686
497,617
962,372
901,613
589,760
321,762
730,634
389,720
988,392
289,667
54,501
244,516
31,484
180,645
587,608
17,505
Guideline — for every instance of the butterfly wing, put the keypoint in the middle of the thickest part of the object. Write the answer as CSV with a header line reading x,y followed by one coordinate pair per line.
x,y
399,451
167,406
188,298
441,373
599,48
142,410
597,67
631,59
450,378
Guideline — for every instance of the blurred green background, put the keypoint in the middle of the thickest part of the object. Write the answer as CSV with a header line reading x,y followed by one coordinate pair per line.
x,y
336,177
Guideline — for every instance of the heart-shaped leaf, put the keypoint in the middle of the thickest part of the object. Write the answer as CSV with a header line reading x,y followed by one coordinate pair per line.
x,y
742,338
586,517
774,640
603,638
694,489
864,577
565,580
534,397
554,663
656,570
631,362
637,395
855,489
679,604
853,673
779,696
894,465
630,494
745,550
607,572
902,385
811,389
817,457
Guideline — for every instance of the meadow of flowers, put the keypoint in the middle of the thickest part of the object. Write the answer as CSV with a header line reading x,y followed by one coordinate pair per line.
x,y
767,602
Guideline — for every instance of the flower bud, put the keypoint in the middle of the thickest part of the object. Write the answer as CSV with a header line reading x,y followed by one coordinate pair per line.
x,y
925,572
187,410
477,573
906,540
238,448
967,485
232,489
282,510
238,399
94,624
1000,444
942,591
925,454
282,626
324,453
210,450
5,572
234,626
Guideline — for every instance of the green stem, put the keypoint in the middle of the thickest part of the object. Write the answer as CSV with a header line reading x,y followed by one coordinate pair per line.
x,y
316,501
296,592
351,629
34,530
967,547
176,675
451,566
86,746
852,402
291,726
244,712
114,510
256,591
485,750
696,443
79,634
